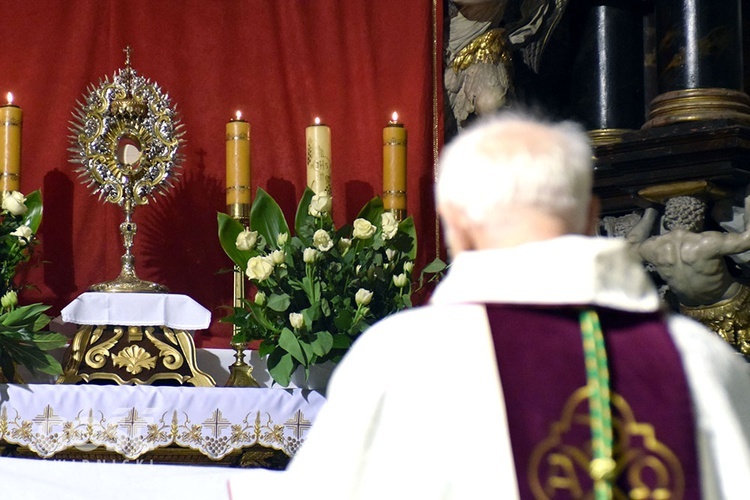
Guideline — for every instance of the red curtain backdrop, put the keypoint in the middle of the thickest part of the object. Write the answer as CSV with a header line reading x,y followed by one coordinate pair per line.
x,y
281,62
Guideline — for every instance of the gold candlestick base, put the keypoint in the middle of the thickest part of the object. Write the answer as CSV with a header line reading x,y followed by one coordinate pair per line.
x,y
240,373
602,136
398,213
689,105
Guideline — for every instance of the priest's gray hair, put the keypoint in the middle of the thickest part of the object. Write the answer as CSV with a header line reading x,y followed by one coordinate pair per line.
x,y
515,160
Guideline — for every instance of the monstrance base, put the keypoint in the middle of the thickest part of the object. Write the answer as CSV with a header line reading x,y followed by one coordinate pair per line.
x,y
128,284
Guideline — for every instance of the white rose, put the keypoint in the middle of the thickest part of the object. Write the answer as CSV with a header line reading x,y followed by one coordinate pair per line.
x,y
322,240
363,229
319,204
246,240
297,320
260,298
390,253
14,202
23,233
400,280
278,256
390,225
344,245
363,297
309,255
259,268
408,266
281,239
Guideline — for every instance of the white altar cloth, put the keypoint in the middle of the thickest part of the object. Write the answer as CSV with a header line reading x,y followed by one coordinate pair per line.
x,y
132,420
137,309
26,479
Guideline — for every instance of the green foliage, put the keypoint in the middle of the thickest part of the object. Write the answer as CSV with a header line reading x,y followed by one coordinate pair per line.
x,y
23,340
316,291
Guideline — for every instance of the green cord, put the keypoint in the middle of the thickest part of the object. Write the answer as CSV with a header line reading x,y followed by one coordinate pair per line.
x,y
597,376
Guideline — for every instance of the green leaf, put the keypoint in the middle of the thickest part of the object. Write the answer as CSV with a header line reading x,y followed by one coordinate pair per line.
x,y
41,322
267,218
51,366
322,343
372,211
46,341
33,216
7,366
406,238
341,341
260,316
435,266
290,343
281,366
23,315
343,320
278,302
309,352
265,348
302,227
229,228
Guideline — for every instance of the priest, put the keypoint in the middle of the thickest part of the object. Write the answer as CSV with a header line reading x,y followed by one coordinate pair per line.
x,y
545,365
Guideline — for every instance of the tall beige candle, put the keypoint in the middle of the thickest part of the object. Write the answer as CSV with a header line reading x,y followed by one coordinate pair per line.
x,y
394,165
238,161
11,119
318,146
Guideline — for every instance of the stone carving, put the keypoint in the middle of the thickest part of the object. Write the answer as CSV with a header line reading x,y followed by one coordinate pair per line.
x,y
693,263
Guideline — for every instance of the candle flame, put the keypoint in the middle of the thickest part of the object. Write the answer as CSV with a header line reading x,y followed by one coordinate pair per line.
x,y
394,117
238,114
10,97
317,121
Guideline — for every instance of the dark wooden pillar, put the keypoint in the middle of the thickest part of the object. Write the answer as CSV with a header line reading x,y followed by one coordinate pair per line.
x,y
699,62
608,70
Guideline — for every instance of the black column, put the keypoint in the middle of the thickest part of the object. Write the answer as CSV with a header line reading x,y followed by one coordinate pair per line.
x,y
699,62
699,44
607,90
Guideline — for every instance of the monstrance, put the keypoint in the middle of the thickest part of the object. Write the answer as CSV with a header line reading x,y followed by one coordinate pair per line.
x,y
126,138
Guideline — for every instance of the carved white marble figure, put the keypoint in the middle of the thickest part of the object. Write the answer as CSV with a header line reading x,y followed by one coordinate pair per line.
x,y
478,74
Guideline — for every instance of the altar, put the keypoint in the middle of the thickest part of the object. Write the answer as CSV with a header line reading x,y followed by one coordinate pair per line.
x,y
260,427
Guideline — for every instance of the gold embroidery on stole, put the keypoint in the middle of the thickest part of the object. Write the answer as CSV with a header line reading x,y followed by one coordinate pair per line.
x,y
653,471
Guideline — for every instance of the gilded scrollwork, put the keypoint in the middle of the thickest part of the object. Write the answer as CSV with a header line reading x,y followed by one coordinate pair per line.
x,y
173,360
110,355
97,356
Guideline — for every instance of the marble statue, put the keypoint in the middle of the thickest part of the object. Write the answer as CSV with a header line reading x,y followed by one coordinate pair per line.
x,y
693,264
480,43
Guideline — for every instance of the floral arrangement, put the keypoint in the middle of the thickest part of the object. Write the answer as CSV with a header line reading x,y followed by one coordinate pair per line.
x,y
22,339
314,292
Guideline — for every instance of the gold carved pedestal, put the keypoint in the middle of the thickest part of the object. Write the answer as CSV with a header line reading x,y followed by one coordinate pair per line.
x,y
133,355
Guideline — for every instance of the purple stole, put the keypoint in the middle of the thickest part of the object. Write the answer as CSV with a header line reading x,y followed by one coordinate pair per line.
x,y
540,359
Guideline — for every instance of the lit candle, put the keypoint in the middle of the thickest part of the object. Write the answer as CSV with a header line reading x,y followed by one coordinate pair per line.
x,y
318,142
11,118
238,162
394,165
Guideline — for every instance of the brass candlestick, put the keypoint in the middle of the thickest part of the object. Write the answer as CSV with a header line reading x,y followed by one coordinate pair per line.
x,y
240,373
398,213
